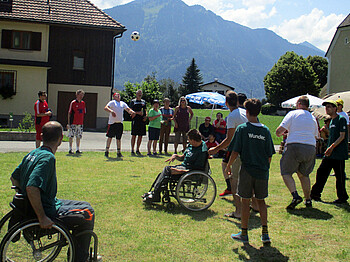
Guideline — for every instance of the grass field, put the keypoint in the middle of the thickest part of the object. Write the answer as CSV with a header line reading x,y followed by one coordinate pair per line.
x,y
129,231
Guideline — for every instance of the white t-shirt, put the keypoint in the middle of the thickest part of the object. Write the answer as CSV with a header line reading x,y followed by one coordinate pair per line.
x,y
236,117
342,113
302,127
118,108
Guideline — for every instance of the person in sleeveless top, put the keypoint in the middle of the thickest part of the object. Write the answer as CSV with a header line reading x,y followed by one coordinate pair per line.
x,y
182,117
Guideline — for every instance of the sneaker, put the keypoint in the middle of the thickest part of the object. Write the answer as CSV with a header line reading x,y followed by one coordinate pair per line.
x,y
294,203
226,193
133,153
78,152
265,238
146,194
70,152
98,259
316,198
119,154
308,203
155,153
339,201
160,152
240,237
138,153
106,154
149,154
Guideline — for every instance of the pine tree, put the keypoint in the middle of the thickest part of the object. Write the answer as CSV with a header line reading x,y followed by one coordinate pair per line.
x,y
191,80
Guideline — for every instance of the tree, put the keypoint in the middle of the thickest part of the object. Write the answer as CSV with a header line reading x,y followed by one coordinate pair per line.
x,y
320,66
192,79
169,88
291,76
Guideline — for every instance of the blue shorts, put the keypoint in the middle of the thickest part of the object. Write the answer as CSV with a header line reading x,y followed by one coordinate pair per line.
x,y
153,133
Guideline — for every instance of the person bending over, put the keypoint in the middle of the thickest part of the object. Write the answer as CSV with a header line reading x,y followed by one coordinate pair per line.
x,y
194,158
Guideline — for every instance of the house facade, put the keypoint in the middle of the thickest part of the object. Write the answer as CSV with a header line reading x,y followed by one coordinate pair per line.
x,y
58,46
217,87
338,55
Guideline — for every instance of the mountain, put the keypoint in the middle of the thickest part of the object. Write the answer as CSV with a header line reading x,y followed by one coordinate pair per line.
x,y
307,44
172,33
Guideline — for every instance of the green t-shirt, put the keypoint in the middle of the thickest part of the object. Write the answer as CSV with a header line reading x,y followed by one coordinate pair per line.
x,y
336,126
38,169
255,146
195,157
156,122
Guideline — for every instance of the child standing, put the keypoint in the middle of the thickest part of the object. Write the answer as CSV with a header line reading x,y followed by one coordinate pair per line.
x,y
253,142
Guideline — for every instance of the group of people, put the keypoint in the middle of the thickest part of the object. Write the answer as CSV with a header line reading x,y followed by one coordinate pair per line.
x,y
245,165
159,121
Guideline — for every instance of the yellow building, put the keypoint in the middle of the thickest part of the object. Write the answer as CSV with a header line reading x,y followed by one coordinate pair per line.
x,y
338,55
57,46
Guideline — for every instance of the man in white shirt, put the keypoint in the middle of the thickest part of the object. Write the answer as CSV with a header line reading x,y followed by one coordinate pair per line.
x,y
236,117
300,150
115,108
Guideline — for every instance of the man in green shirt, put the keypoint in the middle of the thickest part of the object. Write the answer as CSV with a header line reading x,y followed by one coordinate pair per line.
x,y
334,156
194,158
36,178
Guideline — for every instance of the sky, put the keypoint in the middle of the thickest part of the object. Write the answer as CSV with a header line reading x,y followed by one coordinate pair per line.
x,y
297,21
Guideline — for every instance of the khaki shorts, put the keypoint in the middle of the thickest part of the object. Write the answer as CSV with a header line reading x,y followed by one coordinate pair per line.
x,y
236,167
298,158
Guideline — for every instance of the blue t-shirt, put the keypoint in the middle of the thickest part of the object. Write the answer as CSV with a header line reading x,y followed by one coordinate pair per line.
x,y
38,169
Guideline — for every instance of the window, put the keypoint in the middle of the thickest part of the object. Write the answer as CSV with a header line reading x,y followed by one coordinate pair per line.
x,y
346,40
7,83
78,60
23,40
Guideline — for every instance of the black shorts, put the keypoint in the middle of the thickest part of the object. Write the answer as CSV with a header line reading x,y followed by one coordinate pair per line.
x,y
153,133
115,130
138,128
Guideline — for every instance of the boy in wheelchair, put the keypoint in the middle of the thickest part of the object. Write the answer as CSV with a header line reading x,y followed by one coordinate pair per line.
x,y
194,158
36,178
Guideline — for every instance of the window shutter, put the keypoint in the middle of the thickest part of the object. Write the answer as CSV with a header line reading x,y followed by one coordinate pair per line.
x,y
6,38
36,41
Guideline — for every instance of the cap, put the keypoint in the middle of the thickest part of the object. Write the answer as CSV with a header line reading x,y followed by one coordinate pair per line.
x,y
330,102
340,102
155,101
208,118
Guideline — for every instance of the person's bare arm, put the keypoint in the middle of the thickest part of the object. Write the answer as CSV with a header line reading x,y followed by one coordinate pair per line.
x,y
35,200
330,149
175,112
191,112
233,157
280,131
225,143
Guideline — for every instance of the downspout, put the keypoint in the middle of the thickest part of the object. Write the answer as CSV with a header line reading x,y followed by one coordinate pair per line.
x,y
113,60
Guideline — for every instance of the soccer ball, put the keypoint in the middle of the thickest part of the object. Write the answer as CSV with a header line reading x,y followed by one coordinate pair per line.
x,y
135,36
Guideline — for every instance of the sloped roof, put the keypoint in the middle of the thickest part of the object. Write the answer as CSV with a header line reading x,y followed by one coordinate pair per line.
x,y
68,12
232,88
346,22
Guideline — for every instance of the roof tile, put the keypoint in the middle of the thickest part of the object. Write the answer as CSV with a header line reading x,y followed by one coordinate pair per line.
x,y
74,12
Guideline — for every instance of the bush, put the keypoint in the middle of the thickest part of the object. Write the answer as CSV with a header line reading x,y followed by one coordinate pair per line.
x,y
268,109
27,123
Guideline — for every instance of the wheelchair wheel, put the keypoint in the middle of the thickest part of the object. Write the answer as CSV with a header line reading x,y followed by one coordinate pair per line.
x,y
4,224
28,242
196,191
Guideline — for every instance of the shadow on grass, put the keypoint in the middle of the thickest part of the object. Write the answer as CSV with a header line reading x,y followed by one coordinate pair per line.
x,y
311,213
254,221
265,253
198,216
74,155
344,206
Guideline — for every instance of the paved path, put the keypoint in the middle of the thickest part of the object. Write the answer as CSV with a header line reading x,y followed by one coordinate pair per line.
x,y
91,141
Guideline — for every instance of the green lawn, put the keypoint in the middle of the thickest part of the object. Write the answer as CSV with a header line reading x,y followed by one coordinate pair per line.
x,y
129,231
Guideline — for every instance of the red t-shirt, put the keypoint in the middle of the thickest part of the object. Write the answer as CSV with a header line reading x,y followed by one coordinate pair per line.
x,y
222,129
41,108
77,110
211,144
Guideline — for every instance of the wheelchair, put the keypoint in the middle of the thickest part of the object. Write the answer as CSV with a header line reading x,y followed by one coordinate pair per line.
x,y
194,190
25,240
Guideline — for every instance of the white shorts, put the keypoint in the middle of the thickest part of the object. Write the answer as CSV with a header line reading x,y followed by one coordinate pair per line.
x,y
75,131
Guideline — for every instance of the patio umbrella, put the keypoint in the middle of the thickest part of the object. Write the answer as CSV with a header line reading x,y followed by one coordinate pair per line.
x,y
209,97
315,102
345,96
